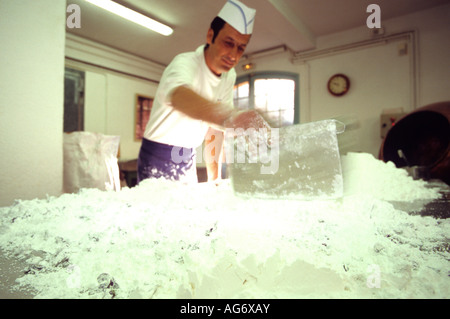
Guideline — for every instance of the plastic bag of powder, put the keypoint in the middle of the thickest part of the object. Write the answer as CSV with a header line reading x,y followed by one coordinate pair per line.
x,y
90,161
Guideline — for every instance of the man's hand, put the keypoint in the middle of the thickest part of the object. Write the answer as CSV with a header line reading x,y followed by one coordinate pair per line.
x,y
254,128
246,120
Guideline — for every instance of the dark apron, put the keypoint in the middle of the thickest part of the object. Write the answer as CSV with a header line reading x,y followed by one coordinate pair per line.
x,y
158,160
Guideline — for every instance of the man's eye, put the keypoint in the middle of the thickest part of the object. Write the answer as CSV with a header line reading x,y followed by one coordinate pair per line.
x,y
229,44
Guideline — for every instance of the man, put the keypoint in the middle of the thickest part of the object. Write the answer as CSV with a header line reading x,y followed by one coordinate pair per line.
x,y
194,101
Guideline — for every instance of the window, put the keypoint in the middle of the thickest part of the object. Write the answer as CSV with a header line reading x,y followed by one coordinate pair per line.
x,y
275,95
73,100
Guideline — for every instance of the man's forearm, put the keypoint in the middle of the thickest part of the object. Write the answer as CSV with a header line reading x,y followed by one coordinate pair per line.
x,y
192,104
212,170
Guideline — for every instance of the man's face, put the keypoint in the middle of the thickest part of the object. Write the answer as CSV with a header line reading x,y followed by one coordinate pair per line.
x,y
227,49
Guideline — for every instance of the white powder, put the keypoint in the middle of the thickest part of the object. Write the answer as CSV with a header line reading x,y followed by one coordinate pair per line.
x,y
170,240
365,175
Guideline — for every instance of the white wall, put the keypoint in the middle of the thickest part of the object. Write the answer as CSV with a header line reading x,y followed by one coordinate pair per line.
x,y
380,78
433,31
110,89
31,98
120,98
109,107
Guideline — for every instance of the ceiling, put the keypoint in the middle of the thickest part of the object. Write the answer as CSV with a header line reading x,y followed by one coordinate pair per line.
x,y
293,23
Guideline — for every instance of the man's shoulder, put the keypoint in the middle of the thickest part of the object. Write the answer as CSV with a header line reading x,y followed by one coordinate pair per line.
x,y
185,55
193,56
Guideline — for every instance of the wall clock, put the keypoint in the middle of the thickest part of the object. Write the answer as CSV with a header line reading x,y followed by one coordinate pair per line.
x,y
338,84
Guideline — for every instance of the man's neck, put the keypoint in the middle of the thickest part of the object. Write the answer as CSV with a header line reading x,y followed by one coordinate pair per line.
x,y
207,60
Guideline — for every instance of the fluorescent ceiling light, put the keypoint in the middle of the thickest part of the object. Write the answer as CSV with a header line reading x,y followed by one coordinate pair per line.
x,y
133,16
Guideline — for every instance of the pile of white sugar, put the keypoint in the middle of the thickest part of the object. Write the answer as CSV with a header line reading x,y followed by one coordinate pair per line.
x,y
170,240
365,175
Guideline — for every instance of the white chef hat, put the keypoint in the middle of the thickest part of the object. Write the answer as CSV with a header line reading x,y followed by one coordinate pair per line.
x,y
239,16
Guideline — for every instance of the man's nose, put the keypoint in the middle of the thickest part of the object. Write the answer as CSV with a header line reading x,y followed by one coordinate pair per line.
x,y
233,54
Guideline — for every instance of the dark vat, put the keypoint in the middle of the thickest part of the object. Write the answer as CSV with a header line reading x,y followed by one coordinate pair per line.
x,y
424,138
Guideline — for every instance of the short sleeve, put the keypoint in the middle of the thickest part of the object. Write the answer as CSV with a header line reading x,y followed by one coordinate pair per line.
x,y
180,72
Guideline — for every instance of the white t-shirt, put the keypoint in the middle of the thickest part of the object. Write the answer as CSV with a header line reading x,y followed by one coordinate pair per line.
x,y
169,126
